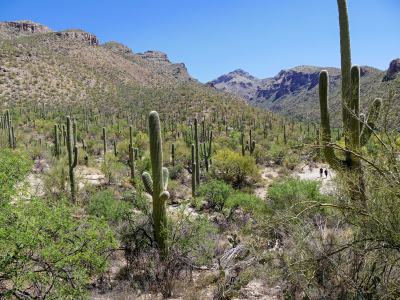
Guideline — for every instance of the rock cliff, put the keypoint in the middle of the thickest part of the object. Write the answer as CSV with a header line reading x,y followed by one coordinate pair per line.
x,y
79,35
177,70
394,69
11,29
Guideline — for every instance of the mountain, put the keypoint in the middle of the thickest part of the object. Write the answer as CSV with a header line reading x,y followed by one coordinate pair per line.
x,y
238,82
294,92
72,67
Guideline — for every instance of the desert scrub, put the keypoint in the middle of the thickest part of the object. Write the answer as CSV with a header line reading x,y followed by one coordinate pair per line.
x,y
44,245
288,194
215,193
14,166
103,204
235,168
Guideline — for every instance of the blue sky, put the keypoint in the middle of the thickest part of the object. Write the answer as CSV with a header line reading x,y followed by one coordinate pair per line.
x,y
216,37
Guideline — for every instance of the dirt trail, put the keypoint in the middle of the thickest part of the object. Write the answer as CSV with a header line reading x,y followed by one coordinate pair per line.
x,y
306,173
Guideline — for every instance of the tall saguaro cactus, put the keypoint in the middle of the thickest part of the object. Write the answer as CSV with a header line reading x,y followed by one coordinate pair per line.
x,y
72,158
158,186
56,142
357,128
196,140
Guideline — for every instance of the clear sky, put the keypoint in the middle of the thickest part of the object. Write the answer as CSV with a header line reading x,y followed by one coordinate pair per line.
x,y
216,37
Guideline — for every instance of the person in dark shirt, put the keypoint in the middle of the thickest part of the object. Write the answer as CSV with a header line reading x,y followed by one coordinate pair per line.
x,y
326,173
321,171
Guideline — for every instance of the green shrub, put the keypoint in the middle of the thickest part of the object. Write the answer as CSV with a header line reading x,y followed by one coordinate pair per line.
x,y
215,193
248,202
14,166
277,154
103,204
46,250
284,195
233,167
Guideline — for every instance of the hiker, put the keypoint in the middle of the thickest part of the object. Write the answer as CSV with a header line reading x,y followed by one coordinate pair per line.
x,y
321,171
326,173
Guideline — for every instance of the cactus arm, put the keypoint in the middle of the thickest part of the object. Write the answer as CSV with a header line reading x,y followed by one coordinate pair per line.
x,y
164,196
362,121
165,178
369,125
75,157
330,156
148,182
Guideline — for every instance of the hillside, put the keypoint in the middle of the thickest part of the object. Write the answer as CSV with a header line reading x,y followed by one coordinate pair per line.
x,y
43,66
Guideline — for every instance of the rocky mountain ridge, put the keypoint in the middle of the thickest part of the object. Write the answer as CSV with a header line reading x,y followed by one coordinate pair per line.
x,y
21,28
15,29
294,92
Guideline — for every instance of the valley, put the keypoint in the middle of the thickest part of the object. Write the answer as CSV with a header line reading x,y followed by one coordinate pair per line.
x,y
124,177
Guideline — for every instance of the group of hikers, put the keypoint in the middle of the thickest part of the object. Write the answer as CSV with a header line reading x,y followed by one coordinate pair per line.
x,y
321,171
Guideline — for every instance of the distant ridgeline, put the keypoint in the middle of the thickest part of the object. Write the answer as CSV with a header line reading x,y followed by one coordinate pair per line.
x,y
294,92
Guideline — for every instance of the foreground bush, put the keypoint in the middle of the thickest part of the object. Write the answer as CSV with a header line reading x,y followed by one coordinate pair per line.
x,y
233,167
47,252
13,169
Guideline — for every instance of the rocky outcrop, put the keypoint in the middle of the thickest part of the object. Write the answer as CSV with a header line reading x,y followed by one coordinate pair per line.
x,y
177,70
238,82
210,85
157,57
10,29
394,69
118,48
79,35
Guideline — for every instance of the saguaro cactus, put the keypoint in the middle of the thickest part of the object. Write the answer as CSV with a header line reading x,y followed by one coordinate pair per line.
x,y
196,141
207,152
193,173
158,186
56,142
11,137
173,154
104,143
357,128
72,158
